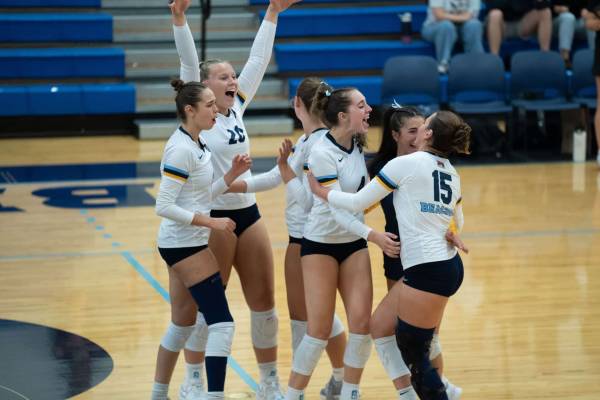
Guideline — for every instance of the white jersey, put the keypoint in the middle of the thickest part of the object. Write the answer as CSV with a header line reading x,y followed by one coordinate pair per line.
x,y
426,195
186,187
229,137
342,170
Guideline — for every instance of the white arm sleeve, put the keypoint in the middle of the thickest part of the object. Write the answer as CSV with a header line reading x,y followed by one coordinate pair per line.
x,y
265,181
345,219
218,188
258,61
188,56
386,181
165,202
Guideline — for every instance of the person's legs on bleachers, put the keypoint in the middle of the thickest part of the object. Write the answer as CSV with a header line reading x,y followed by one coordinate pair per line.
x,y
472,36
495,30
539,21
443,35
564,25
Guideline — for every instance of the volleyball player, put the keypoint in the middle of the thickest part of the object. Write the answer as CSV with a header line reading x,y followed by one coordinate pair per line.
x,y
186,190
334,248
400,126
427,202
248,248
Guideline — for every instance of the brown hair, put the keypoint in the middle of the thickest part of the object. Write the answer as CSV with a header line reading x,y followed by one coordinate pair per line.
x,y
328,103
450,133
205,67
307,89
188,93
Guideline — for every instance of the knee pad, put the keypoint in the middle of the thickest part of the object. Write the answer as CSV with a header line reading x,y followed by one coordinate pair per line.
x,y
413,343
210,298
337,327
358,350
298,332
390,357
307,355
264,326
435,349
175,337
197,340
220,337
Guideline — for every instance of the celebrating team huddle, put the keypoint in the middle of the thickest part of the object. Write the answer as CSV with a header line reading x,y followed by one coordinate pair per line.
x,y
211,222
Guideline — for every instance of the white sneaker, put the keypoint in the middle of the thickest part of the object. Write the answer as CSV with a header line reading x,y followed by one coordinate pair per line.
x,y
269,389
192,391
452,391
598,158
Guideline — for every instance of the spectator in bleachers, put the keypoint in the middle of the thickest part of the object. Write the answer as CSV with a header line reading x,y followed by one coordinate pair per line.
x,y
567,23
518,18
446,19
591,16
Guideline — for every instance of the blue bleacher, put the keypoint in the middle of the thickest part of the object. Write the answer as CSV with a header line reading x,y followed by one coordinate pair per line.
x,y
265,2
61,63
56,27
51,3
360,55
67,99
347,21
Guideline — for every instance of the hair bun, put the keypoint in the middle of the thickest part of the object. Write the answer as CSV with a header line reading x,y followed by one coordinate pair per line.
x,y
177,84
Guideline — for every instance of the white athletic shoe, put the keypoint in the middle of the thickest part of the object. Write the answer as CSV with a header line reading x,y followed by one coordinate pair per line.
x,y
192,391
453,391
269,389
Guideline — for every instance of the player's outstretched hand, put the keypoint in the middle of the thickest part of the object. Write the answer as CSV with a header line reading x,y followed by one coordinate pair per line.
x,y
455,240
240,164
279,6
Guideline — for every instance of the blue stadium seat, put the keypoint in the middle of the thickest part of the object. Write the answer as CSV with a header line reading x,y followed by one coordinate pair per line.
x,y
477,85
61,63
265,2
369,86
299,22
331,56
51,3
538,81
411,80
584,85
67,99
56,27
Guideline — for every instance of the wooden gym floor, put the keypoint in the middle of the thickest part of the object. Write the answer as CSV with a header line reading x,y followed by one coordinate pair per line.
x,y
83,307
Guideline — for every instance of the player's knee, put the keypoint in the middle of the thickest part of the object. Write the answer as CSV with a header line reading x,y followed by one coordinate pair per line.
x,y
264,326
220,338
175,337
358,350
308,354
199,336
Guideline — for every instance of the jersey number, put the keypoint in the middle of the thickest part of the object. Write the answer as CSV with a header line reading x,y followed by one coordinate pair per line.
x,y
440,184
237,135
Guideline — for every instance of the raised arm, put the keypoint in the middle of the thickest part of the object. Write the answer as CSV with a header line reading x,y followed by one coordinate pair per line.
x,y
184,42
260,53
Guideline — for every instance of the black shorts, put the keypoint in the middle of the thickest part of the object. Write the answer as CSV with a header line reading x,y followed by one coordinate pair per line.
x,y
295,240
339,251
173,255
243,217
393,269
439,277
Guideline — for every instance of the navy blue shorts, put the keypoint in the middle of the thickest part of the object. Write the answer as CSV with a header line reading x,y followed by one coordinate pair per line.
x,y
339,251
295,240
173,255
243,217
439,277
393,269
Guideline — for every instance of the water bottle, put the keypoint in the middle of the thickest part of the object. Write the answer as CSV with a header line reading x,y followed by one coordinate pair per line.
x,y
579,142
406,20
